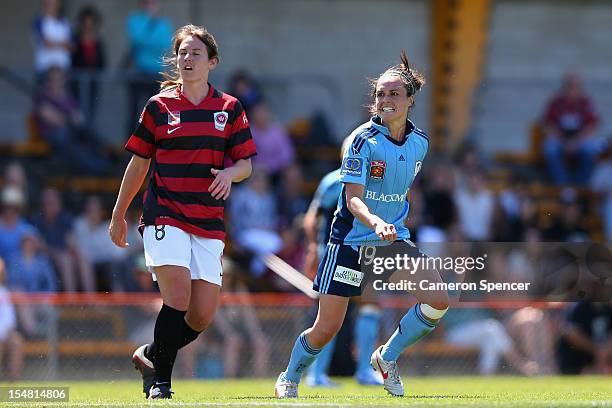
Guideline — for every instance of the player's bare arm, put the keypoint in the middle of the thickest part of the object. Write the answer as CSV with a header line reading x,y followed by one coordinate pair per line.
x,y
354,199
222,184
133,178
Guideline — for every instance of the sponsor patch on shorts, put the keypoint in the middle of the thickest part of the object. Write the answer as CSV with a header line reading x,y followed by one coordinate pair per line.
x,y
348,276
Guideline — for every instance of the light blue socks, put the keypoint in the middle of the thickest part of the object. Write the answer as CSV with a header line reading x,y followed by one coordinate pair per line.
x,y
411,329
366,333
302,356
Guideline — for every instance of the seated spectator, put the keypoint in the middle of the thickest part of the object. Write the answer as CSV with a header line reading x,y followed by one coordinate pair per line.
x,y
291,200
12,226
11,342
88,54
31,270
274,147
570,122
567,226
601,182
475,205
61,123
477,328
253,220
244,87
56,227
15,176
585,341
52,37
98,252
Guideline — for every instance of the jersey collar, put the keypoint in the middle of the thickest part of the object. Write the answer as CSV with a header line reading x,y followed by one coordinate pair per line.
x,y
376,123
179,93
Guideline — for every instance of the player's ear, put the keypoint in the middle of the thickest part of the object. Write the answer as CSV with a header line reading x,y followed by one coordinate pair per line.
x,y
212,63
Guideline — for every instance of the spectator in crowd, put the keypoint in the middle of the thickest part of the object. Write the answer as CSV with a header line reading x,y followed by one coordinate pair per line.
x,y
291,200
88,54
253,220
567,226
440,212
601,182
11,342
585,342
475,205
244,87
61,123
570,122
56,227
52,37
15,176
243,340
149,35
274,147
478,328
31,270
101,257
12,226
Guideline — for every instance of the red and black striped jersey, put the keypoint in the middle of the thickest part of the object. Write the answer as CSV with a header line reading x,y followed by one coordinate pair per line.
x,y
185,142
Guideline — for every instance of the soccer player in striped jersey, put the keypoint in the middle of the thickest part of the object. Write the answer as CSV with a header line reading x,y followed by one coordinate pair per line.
x,y
317,226
185,132
377,171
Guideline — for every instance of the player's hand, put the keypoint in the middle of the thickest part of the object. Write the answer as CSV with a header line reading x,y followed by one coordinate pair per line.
x,y
386,232
118,232
221,186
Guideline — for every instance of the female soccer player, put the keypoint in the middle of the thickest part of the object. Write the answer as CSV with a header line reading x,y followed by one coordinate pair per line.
x,y
377,170
187,129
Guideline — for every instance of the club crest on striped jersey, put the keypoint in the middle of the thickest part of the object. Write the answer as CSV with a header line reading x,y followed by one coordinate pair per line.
x,y
220,120
174,118
377,169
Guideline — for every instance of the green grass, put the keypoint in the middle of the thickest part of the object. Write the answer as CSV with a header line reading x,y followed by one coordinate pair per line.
x,y
421,392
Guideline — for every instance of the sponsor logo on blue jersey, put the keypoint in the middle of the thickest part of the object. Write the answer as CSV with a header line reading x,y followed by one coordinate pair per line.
x,y
385,198
352,166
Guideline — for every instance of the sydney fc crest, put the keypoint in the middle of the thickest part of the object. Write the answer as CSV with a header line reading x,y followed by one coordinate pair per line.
x,y
377,169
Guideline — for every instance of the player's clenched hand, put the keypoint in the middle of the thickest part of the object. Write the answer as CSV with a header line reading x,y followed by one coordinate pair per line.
x,y
222,184
386,232
118,232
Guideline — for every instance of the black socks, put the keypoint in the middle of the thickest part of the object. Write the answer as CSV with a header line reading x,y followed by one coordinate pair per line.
x,y
167,339
187,335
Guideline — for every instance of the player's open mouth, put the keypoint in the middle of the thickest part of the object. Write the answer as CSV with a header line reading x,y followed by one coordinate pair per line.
x,y
388,110
188,68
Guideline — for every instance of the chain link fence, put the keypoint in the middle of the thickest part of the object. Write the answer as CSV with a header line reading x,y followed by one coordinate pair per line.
x,y
92,337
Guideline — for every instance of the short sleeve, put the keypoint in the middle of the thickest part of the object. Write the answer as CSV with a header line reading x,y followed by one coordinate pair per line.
x,y
142,141
356,161
241,144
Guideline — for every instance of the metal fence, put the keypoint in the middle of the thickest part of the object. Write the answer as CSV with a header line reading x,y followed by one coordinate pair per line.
x,y
92,336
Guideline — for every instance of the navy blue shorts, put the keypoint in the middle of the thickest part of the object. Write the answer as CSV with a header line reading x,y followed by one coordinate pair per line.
x,y
340,272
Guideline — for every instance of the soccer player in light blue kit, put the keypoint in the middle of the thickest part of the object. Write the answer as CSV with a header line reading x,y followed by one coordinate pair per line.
x,y
317,226
377,171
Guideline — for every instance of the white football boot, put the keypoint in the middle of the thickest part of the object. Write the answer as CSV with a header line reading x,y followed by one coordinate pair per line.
x,y
390,373
285,388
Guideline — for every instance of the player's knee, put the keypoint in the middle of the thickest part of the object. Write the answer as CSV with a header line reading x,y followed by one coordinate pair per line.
x,y
434,310
324,333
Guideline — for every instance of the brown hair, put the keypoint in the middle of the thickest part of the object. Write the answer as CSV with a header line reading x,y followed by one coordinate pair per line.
x,y
173,78
412,79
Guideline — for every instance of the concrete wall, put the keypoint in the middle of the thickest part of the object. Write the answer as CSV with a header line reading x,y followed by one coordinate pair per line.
x,y
298,41
532,44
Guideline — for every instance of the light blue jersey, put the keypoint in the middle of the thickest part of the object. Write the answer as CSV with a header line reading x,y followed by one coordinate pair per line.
x,y
386,168
324,203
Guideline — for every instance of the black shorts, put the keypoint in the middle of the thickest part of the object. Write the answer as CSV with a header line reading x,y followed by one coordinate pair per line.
x,y
340,271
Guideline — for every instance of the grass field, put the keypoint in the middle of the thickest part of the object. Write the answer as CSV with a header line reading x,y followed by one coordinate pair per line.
x,y
421,392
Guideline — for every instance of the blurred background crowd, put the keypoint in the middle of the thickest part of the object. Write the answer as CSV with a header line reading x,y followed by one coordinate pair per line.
x,y
528,160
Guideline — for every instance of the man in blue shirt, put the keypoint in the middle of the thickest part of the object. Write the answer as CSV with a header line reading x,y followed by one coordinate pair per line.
x,y
377,171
